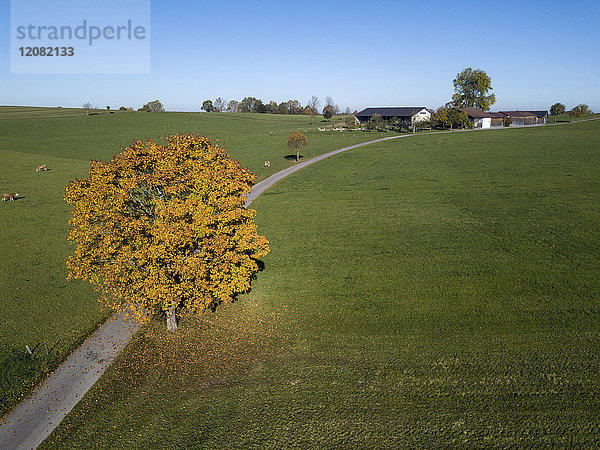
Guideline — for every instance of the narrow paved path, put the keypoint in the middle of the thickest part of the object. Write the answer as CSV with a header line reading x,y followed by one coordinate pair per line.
x,y
33,419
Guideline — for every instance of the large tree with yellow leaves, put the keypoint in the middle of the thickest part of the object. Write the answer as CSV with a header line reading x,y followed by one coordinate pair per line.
x,y
163,227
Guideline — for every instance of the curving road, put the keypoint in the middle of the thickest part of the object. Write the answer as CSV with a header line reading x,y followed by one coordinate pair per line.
x,y
36,417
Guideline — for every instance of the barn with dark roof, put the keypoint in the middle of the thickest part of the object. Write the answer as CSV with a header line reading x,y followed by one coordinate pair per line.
x,y
412,114
541,116
521,118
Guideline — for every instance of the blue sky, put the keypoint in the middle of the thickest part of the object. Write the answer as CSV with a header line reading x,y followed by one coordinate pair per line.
x,y
385,53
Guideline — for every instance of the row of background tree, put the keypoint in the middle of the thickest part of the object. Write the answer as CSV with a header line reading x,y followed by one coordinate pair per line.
x,y
256,105
154,106
250,105
580,110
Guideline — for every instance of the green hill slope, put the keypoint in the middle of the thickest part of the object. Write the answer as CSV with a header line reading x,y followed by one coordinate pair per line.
x,y
427,292
37,305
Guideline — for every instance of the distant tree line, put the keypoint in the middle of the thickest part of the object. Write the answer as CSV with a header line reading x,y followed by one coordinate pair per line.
x,y
580,110
250,105
256,105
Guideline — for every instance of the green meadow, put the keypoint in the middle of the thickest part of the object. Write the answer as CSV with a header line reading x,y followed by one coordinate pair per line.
x,y
37,304
567,118
432,291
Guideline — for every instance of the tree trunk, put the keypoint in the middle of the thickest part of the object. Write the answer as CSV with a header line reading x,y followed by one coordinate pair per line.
x,y
171,318
297,155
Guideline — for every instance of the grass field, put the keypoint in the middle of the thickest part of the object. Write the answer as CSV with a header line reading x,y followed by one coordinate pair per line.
x,y
251,138
566,118
37,305
438,291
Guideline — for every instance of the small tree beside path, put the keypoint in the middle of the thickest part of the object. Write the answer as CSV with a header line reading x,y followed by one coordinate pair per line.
x,y
295,142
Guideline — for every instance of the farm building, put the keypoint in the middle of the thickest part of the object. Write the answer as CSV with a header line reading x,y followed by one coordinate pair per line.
x,y
521,118
541,116
412,114
486,119
497,119
480,119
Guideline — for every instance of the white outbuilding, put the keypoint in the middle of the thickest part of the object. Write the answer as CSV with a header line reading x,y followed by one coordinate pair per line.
x,y
480,119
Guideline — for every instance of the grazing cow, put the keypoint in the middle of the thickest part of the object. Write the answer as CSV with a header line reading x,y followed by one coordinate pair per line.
x,y
267,163
41,168
10,196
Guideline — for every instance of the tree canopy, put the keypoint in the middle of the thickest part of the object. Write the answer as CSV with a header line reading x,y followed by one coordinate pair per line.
x,y
314,104
295,142
328,112
585,109
232,106
575,112
154,106
471,88
376,122
162,227
451,118
207,105
557,109
350,120
248,104
220,104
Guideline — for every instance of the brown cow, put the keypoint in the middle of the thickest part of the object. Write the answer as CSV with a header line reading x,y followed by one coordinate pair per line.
x,y
10,196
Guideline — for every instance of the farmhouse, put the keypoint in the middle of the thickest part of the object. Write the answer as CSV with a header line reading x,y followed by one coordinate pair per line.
x,y
412,114
480,119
